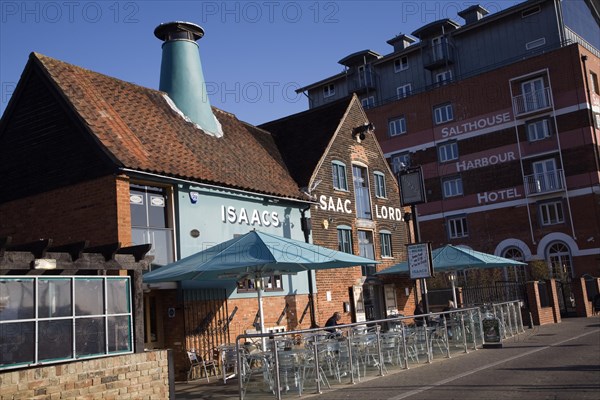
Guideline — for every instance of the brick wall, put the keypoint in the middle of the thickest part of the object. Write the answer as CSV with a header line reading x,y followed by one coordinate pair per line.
x,y
583,307
96,210
174,328
542,315
131,376
346,149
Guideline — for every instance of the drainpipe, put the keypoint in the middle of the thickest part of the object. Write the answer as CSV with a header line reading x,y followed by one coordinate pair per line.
x,y
305,224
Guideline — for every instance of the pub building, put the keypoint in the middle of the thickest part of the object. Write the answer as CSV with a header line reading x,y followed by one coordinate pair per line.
x,y
334,156
88,157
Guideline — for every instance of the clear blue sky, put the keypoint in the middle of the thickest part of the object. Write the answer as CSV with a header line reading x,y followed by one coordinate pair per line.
x,y
254,53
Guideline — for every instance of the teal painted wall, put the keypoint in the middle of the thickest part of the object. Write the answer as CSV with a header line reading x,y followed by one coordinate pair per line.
x,y
219,215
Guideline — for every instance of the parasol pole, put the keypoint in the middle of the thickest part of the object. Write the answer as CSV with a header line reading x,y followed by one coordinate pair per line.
x,y
452,278
259,287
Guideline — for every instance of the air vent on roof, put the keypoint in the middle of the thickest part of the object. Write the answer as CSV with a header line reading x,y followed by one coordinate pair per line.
x,y
535,43
530,11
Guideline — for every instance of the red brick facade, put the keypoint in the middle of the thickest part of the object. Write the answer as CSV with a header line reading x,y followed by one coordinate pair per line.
x,y
495,162
337,284
96,210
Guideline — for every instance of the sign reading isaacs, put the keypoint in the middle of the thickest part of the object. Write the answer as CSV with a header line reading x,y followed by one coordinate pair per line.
x,y
255,217
328,203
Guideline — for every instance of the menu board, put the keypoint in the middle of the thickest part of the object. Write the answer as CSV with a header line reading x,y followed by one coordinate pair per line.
x,y
419,260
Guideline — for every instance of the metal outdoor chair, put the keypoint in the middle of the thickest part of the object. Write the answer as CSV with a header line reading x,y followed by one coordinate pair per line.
x,y
199,364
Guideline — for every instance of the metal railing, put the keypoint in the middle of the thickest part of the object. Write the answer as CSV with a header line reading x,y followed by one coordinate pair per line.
x,y
297,362
546,182
533,101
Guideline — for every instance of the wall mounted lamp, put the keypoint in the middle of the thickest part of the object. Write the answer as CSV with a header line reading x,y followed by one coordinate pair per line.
x,y
359,133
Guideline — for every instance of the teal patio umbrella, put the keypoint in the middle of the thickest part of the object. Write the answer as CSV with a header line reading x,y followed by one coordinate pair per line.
x,y
451,258
252,256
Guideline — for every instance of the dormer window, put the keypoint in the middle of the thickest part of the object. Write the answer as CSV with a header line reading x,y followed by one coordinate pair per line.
x,y
400,64
328,90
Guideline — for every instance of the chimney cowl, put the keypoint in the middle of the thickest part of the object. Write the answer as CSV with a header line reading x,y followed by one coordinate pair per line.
x,y
181,75
178,30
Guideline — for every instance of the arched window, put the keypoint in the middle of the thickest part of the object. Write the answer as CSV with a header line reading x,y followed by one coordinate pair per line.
x,y
559,261
517,273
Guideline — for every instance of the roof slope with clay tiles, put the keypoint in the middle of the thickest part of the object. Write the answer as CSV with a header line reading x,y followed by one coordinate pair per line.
x,y
303,138
140,130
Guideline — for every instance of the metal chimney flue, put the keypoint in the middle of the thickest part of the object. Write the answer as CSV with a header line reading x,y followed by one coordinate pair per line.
x,y
181,74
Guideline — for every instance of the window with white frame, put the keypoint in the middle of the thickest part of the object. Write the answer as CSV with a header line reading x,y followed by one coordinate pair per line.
x,y
50,319
400,161
443,113
362,197
517,273
443,77
344,234
401,64
452,187
551,213
380,190
403,91
397,126
448,151
560,265
457,227
368,102
338,170
594,82
150,209
385,239
328,90
534,95
538,130
546,175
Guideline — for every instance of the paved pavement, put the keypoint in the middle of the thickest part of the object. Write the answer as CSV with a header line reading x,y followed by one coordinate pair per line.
x,y
557,361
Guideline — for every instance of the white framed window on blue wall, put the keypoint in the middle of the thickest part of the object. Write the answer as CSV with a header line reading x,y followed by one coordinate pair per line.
x,y
338,170
401,64
51,319
404,91
329,90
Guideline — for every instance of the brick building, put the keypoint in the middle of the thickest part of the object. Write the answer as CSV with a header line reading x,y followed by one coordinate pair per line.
x,y
84,156
503,115
334,156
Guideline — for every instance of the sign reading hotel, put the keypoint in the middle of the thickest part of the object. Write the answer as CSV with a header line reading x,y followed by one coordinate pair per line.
x,y
498,195
419,260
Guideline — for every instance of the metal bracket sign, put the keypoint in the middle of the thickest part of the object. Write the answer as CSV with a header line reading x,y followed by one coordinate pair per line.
x,y
419,260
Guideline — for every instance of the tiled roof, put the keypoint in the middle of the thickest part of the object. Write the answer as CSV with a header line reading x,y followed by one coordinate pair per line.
x,y
139,130
303,138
